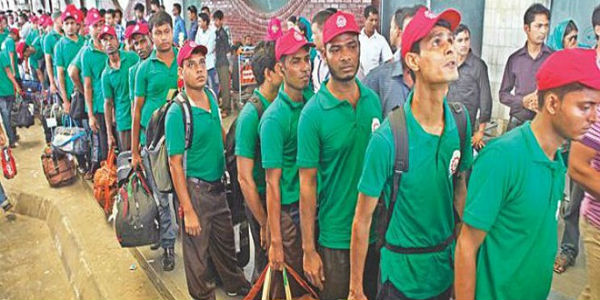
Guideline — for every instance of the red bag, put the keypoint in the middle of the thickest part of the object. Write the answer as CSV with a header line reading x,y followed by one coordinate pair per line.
x,y
260,290
9,165
105,183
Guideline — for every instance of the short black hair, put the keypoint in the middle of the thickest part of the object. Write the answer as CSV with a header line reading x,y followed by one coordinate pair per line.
x,y
177,6
129,23
102,12
84,10
560,92
461,28
534,10
154,2
111,12
205,8
193,9
415,48
204,17
370,9
403,13
160,18
262,59
292,19
218,15
320,17
139,7
119,12
333,10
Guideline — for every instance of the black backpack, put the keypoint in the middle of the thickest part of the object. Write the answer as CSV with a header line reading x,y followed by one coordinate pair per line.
x,y
397,121
235,198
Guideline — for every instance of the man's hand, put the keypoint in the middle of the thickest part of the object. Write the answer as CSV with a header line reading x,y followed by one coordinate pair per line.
x,y
192,225
477,140
313,268
264,235
136,160
356,296
530,101
66,107
53,88
276,257
18,90
93,123
2,140
111,141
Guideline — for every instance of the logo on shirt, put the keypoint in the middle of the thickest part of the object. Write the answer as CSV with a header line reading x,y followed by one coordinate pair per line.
x,y
136,28
375,124
454,162
430,15
297,36
105,29
341,21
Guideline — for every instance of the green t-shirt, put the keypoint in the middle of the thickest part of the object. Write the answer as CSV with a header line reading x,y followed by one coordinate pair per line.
x,y
48,44
153,81
93,62
423,215
6,86
3,35
115,86
34,59
247,139
8,46
131,77
513,196
333,137
205,159
278,129
64,53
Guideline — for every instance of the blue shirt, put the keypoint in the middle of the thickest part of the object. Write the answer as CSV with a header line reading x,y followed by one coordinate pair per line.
x,y
193,30
388,82
179,28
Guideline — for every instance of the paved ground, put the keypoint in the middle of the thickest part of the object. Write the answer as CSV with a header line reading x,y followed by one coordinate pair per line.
x,y
31,268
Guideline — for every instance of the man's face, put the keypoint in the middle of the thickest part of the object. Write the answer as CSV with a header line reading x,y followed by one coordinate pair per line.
x,y
395,33
175,11
142,45
58,25
162,36
203,24
462,43
109,19
343,56
317,35
570,40
154,7
110,44
218,22
139,14
193,72
538,29
576,113
247,41
118,18
70,27
96,29
371,22
296,69
192,16
437,58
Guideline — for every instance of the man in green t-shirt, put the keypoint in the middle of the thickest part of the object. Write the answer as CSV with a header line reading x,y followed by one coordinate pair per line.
x,y
508,242
66,49
208,237
48,45
278,133
115,89
251,175
139,39
8,88
33,53
416,260
9,46
333,132
153,80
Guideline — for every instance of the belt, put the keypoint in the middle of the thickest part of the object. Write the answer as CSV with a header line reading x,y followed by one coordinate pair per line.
x,y
209,186
420,250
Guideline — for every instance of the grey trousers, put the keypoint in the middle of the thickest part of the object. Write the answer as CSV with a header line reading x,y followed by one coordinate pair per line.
x,y
569,244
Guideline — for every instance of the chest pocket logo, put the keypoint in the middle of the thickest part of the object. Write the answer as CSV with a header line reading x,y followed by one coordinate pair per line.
x,y
375,124
454,162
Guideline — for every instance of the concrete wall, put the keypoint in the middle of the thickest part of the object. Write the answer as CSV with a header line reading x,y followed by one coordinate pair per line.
x,y
502,35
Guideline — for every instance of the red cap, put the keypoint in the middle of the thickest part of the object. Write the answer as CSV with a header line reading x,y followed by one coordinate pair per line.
x,y
569,66
422,23
46,21
289,43
34,20
20,47
72,12
128,31
186,51
15,31
93,17
107,30
338,23
140,28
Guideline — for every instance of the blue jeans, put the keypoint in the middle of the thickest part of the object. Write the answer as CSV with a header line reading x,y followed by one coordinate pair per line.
x,y
168,224
6,104
213,81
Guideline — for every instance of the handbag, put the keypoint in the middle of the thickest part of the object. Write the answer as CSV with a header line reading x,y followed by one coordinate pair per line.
x,y
59,168
9,165
123,167
263,283
70,139
77,109
22,113
105,182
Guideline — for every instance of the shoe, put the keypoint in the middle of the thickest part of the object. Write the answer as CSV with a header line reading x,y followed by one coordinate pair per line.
x,y
6,206
243,291
14,145
155,247
168,259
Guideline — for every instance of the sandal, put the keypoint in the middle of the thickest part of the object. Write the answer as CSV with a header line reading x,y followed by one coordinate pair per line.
x,y
563,262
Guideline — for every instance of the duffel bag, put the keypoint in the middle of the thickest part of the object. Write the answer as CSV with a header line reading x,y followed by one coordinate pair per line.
x,y
77,109
58,167
123,167
22,113
105,183
70,139
136,221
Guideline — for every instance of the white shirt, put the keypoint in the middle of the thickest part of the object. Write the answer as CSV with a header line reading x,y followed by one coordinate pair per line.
x,y
374,51
208,39
320,71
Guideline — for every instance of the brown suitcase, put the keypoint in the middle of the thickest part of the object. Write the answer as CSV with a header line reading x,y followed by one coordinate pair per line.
x,y
58,168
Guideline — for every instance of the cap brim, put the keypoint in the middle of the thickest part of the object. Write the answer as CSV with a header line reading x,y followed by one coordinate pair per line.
x,y
295,48
452,16
202,48
593,83
348,30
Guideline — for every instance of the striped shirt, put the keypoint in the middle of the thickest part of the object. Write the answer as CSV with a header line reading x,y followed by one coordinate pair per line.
x,y
590,207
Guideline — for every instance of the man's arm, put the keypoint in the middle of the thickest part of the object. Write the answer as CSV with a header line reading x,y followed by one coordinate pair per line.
x,y
136,159
359,244
190,218
108,120
12,62
276,256
313,265
460,192
12,79
581,170
87,93
248,185
63,87
506,88
74,75
465,261
50,70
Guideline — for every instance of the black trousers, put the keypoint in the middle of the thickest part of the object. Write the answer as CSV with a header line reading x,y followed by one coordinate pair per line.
x,y
390,292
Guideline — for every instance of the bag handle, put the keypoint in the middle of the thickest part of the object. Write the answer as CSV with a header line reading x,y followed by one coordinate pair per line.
x,y
264,283
110,160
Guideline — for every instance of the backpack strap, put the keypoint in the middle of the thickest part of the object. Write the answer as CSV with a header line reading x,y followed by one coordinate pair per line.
x,y
186,110
460,118
397,121
258,105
